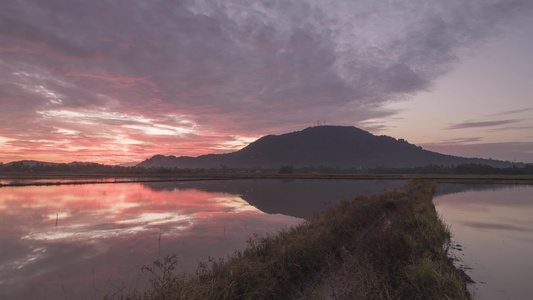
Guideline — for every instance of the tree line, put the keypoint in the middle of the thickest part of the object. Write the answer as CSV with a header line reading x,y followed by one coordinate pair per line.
x,y
20,166
74,168
462,169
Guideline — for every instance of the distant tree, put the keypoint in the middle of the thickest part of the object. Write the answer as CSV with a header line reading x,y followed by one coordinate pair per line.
x,y
18,166
475,169
286,170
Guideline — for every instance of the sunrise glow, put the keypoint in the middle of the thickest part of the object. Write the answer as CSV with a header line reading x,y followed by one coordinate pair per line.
x,y
120,82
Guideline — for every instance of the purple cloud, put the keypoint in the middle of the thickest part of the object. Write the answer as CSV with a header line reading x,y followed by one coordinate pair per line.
x,y
481,124
228,68
516,111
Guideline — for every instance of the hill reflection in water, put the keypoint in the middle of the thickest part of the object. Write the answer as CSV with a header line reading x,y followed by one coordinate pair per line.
x,y
298,198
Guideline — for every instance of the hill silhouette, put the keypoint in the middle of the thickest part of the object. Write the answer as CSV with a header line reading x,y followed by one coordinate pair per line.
x,y
322,146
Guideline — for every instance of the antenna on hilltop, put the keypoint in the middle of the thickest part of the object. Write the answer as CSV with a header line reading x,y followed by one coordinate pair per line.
x,y
319,123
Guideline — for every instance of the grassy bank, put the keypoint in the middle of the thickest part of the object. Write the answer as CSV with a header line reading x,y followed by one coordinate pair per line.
x,y
389,246
36,179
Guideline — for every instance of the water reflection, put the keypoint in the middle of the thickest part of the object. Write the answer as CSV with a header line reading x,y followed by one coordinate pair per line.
x,y
494,229
298,198
56,181
86,241
453,188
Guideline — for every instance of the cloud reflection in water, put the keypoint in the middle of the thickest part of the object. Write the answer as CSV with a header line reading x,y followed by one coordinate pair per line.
x,y
89,240
493,225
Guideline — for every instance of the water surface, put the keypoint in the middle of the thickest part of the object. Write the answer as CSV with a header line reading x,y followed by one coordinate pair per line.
x,y
86,241
492,229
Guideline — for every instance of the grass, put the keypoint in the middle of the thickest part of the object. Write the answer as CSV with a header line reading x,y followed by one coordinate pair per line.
x,y
389,246
59,178
404,257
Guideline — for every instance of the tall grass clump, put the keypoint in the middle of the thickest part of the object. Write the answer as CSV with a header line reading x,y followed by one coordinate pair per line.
x,y
388,246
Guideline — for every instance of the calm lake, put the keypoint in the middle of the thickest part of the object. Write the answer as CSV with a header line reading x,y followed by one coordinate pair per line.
x,y
492,228
87,241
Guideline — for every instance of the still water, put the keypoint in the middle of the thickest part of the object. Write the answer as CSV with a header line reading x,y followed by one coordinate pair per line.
x,y
492,231
88,241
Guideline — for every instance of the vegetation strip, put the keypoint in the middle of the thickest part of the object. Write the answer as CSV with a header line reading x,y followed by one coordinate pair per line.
x,y
77,179
388,246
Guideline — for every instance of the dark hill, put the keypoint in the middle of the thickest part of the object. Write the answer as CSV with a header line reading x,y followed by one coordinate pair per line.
x,y
326,146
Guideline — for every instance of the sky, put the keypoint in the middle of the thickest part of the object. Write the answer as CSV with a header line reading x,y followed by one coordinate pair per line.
x,y
120,81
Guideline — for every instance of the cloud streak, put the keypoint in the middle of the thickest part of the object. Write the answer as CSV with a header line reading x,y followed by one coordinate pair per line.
x,y
482,124
164,73
516,111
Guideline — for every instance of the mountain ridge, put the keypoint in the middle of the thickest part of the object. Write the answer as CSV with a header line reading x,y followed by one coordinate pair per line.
x,y
322,146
